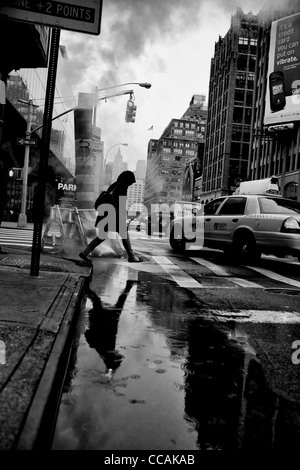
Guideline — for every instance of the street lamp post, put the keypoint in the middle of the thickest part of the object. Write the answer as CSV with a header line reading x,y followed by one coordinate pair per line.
x,y
126,92
105,159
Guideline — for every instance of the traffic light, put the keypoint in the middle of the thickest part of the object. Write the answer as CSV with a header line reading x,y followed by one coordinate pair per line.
x,y
130,111
15,173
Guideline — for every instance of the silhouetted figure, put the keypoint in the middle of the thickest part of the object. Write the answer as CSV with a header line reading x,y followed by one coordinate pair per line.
x,y
116,191
103,327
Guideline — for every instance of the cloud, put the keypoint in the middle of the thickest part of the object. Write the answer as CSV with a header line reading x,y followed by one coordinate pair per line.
x,y
168,43
129,27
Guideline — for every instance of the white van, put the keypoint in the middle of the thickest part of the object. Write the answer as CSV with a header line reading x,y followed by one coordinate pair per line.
x,y
263,187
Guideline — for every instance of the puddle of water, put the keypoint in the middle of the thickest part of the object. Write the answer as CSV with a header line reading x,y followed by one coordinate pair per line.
x,y
149,372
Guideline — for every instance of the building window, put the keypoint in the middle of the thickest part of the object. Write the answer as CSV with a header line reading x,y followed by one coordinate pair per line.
x,y
237,114
252,63
291,190
242,62
240,80
248,114
250,83
239,96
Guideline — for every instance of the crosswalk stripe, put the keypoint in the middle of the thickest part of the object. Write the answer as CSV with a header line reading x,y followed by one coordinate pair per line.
x,y
18,237
184,280
255,316
213,267
223,272
179,276
245,283
275,276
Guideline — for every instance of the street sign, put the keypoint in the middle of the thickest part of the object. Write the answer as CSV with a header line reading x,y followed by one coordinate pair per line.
x,y
83,16
24,141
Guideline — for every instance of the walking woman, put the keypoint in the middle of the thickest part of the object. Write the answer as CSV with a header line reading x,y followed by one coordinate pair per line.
x,y
117,193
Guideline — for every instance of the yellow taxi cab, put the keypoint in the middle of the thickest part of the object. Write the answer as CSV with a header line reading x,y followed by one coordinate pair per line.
x,y
253,220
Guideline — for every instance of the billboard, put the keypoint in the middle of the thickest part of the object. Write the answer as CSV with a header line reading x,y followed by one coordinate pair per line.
x,y
283,80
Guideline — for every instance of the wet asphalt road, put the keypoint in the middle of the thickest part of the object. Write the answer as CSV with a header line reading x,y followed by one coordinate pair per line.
x,y
156,366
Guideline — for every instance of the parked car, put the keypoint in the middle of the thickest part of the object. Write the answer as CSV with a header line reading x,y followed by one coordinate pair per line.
x,y
245,225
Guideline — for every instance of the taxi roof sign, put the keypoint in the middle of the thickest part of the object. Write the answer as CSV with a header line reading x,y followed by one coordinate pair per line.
x,y
266,186
83,16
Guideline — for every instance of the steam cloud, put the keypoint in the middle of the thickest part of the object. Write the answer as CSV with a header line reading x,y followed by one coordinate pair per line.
x,y
127,27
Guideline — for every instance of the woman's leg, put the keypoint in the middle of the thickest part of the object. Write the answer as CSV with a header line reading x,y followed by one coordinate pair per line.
x,y
127,245
90,247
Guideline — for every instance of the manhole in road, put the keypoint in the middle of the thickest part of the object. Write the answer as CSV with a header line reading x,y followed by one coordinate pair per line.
x,y
283,290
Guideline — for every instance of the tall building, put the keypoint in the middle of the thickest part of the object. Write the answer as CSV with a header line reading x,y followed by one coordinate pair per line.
x,y
140,172
108,175
135,197
192,182
118,165
168,157
230,102
277,152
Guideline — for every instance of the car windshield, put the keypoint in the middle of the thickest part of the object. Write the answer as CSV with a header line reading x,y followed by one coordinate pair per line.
x,y
278,206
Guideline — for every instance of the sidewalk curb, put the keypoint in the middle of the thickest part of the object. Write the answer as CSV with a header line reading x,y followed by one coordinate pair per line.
x,y
38,427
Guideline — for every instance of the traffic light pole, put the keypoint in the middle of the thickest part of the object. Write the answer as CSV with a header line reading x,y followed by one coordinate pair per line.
x,y
22,221
127,92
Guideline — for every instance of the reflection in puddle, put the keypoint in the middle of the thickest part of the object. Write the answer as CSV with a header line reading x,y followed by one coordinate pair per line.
x,y
150,371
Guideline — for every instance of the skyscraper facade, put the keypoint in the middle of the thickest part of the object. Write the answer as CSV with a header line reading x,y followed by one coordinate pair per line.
x,y
140,172
167,159
230,102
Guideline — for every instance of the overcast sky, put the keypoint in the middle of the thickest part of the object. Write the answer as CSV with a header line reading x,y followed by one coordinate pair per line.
x,y
168,43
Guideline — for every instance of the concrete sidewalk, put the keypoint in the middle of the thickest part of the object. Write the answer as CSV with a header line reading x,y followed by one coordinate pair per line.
x,y
37,316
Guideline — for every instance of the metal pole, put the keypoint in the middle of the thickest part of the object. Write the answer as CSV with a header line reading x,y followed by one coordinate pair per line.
x,y
77,107
3,78
95,108
45,144
22,221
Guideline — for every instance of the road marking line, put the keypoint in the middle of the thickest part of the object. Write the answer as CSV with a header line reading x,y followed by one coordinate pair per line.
x,y
255,316
223,272
213,267
245,283
179,276
275,276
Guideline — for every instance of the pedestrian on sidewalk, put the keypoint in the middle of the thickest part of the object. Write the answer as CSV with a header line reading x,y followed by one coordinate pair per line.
x,y
117,192
6,162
